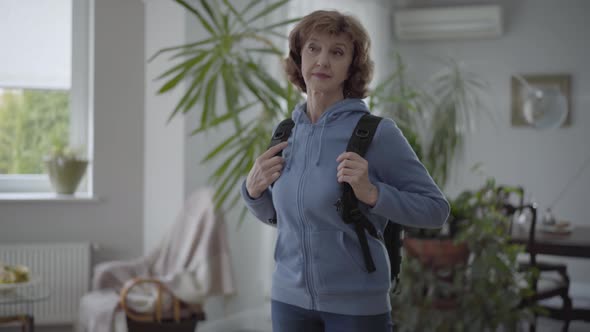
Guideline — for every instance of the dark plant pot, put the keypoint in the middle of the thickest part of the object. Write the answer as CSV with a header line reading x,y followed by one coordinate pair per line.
x,y
65,175
437,253
440,255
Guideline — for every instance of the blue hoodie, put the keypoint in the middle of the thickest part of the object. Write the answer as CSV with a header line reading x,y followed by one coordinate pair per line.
x,y
319,262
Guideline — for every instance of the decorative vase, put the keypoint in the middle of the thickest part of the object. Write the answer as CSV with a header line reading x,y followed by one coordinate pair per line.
x,y
65,174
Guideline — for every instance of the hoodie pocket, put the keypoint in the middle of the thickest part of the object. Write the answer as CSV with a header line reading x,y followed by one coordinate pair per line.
x,y
339,268
288,261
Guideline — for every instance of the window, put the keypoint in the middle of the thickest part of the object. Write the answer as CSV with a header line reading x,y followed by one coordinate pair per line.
x,y
44,87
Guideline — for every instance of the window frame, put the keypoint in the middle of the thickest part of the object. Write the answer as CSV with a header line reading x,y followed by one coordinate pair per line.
x,y
81,104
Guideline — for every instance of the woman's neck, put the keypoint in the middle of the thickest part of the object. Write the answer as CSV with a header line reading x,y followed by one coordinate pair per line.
x,y
318,102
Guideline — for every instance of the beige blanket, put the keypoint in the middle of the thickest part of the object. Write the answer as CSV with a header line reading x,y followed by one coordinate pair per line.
x,y
192,260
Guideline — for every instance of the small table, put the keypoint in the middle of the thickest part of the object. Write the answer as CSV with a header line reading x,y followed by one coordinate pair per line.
x,y
16,304
573,244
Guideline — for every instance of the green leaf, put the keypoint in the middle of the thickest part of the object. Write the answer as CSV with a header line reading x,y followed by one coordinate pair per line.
x,y
250,6
210,99
185,98
212,14
267,80
221,119
229,83
198,14
185,65
173,82
265,50
267,10
199,80
237,15
184,46
220,147
280,24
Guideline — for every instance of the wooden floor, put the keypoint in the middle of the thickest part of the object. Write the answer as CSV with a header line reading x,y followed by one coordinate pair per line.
x,y
548,325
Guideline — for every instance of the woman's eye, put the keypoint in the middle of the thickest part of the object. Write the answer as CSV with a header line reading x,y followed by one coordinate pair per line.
x,y
338,52
311,48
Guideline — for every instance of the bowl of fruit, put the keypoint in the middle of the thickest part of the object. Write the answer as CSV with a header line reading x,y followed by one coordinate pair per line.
x,y
14,276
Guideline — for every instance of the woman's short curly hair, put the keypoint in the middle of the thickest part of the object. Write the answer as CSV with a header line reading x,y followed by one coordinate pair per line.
x,y
333,22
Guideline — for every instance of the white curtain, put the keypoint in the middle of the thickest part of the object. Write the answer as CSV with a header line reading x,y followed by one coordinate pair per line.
x,y
35,44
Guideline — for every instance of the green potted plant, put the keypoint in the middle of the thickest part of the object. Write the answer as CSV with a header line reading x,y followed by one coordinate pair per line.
x,y
235,56
65,166
483,292
435,120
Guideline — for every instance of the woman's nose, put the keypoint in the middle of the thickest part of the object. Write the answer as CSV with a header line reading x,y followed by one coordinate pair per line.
x,y
323,60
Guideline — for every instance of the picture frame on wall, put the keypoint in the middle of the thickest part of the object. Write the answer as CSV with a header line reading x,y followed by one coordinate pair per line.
x,y
541,100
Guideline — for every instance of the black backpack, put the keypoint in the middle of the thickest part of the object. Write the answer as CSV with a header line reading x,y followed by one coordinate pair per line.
x,y
347,205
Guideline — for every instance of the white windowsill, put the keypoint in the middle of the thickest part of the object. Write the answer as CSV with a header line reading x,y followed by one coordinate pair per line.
x,y
47,197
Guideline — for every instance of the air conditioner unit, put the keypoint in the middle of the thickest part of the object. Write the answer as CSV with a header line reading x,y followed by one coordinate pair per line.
x,y
466,22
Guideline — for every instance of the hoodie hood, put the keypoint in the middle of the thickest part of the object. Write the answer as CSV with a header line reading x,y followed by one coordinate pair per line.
x,y
331,114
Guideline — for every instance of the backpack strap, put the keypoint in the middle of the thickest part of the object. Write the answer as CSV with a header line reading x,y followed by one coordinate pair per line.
x,y
347,205
282,133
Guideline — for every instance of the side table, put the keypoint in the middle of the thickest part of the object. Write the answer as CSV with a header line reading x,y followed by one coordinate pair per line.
x,y
17,303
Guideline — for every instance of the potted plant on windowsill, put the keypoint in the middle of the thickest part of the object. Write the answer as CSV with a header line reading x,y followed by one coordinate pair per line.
x,y
65,166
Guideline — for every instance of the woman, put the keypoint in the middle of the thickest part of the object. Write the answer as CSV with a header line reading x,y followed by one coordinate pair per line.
x,y
320,282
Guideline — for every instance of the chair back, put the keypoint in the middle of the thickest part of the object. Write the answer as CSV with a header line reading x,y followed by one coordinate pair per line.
x,y
525,215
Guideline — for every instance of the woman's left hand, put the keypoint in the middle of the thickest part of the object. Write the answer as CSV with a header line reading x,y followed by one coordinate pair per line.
x,y
354,170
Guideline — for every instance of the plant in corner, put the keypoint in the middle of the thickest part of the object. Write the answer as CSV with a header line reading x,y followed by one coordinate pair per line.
x,y
463,277
435,120
483,292
65,166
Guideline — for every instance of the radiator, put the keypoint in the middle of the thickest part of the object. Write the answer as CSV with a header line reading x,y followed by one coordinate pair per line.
x,y
63,269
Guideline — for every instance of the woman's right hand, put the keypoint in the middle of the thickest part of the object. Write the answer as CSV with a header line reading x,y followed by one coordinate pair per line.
x,y
266,170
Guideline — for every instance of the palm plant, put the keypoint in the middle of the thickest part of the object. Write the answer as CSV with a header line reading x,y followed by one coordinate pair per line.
x,y
453,102
229,58
394,98
435,118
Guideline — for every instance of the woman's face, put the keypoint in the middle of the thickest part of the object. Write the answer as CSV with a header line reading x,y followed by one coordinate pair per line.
x,y
325,59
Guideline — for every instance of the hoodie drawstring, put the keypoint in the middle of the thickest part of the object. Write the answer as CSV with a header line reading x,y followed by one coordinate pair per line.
x,y
317,161
294,135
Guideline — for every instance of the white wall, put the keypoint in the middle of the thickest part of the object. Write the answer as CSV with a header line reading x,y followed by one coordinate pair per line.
x,y
251,243
164,153
115,221
542,36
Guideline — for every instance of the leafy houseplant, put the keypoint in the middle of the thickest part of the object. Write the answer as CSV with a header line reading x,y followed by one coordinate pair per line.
x,y
479,294
434,119
230,59
66,167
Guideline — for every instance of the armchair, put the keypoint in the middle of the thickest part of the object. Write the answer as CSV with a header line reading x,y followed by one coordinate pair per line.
x,y
164,290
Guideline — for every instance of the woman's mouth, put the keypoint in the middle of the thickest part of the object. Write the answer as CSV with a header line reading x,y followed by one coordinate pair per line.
x,y
321,76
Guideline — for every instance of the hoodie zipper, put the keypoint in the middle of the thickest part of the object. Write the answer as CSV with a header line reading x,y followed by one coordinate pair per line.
x,y
305,233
